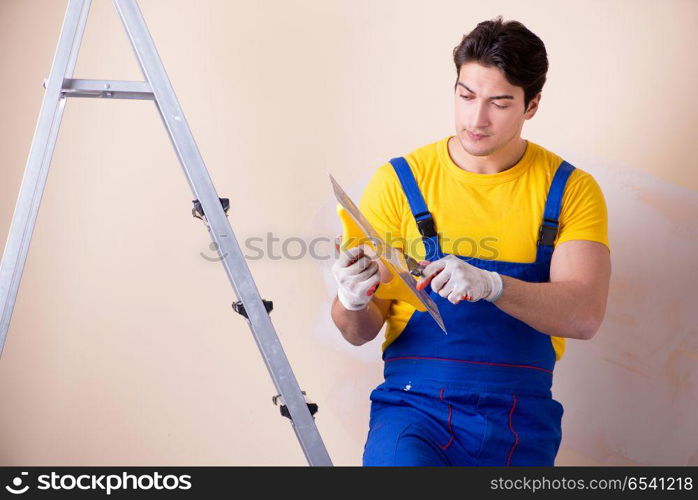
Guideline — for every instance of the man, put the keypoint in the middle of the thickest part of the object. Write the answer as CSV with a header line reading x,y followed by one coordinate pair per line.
x,y
517,260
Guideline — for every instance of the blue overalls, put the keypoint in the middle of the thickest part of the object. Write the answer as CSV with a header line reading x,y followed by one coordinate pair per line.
x,y
481,394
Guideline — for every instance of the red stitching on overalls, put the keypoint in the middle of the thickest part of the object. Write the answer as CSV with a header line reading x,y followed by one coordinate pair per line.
x,y
450,410
511,427
468,361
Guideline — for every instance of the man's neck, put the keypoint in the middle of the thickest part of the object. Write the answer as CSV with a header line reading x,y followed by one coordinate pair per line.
x,y
499,161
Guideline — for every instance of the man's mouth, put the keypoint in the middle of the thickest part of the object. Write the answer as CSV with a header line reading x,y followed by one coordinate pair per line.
x,y
475,137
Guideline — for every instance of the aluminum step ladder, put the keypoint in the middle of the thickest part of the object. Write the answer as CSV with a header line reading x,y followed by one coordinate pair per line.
x,y
207,205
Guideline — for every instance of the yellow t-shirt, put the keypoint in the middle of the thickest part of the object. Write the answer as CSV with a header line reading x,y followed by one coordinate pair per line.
x,y
485,216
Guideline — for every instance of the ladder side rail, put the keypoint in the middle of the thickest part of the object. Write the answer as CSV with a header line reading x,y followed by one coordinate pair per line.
x,y
219,227
38,162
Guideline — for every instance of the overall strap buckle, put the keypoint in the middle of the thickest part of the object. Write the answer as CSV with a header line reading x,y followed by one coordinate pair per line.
x,y
425,224
547,233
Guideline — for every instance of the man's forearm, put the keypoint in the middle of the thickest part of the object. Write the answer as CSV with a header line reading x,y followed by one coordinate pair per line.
x,y
560,308
357,327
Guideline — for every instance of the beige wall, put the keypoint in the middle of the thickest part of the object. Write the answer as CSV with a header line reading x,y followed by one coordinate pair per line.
x,y
123,348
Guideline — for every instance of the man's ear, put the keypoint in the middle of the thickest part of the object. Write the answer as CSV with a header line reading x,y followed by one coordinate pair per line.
x,y
533,106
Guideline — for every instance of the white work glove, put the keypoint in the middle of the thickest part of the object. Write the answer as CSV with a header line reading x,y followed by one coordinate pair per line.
x,y
455,280
358,276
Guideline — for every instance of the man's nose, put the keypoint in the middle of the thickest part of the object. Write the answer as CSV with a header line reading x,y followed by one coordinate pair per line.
x,y
479,120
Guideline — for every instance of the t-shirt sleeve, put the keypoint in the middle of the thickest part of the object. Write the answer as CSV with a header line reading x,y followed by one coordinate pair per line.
x,y
584,213
382,203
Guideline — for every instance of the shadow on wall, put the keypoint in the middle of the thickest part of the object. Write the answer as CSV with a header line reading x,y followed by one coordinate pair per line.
x,y
631,393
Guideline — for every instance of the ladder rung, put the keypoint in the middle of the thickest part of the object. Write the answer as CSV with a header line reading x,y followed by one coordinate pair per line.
x,y
110,89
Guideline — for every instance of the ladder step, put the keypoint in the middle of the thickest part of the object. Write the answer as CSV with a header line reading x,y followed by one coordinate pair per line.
x,y
109,89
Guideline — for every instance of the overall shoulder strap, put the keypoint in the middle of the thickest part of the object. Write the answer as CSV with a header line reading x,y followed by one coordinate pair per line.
x,y
424,219
551,216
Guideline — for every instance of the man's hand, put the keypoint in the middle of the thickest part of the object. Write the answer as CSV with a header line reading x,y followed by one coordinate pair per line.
x,y
357,275
455,280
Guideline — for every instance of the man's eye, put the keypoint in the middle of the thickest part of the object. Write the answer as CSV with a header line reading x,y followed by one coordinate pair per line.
x,y
467,98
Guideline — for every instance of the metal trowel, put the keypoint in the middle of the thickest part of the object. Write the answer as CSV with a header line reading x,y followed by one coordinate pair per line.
x,y
400,283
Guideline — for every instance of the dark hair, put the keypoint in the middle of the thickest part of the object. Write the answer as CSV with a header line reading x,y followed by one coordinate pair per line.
x,y
512,48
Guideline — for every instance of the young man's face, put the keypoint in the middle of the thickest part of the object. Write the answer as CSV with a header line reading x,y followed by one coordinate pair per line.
x,y
486,104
